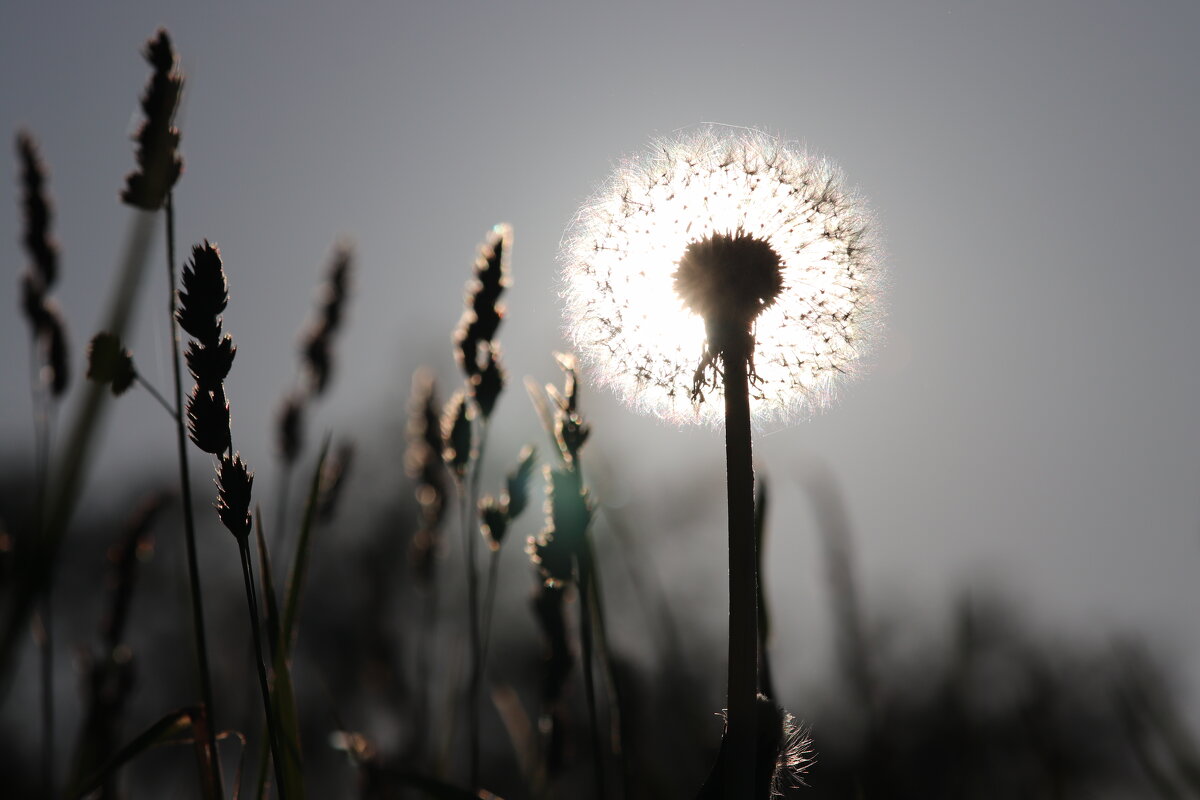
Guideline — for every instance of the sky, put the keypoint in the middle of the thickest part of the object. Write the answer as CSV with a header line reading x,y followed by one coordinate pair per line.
x,y
1029,415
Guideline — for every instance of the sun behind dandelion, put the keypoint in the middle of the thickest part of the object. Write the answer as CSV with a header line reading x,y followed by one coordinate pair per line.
x,y
647,262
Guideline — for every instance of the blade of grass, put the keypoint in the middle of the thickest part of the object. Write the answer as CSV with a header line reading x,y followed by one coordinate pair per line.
x,y
432,787
295,581
161,732
268,707
72,468
283,697
284,700
283,693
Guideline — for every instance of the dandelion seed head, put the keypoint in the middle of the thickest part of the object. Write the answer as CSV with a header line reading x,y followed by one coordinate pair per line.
x,y
638,291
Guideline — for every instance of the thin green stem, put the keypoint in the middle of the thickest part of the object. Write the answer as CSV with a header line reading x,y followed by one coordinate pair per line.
x,y
489,605
41,460
469,493
272,722
596,598
589,679
189,522
46,640
743,580
281,501
162,401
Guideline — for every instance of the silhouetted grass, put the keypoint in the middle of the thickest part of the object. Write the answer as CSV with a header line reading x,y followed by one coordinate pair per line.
x,y
389,695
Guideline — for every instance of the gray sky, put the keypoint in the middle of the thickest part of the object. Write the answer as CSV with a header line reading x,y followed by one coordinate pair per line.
x,y
1032,412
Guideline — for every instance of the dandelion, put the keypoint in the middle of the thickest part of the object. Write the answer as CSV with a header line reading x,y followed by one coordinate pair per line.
x,y
718,235
724,265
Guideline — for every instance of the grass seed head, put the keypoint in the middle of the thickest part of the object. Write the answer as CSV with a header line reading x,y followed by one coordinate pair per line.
x,y
487,384
204,294
484,312
289,427
159,164
317,342
210,364
56,372
110,363
234,484
208,419
42,249
456,434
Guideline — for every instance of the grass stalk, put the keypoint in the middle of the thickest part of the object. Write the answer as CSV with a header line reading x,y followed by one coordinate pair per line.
x,y
277,753
469,493
43,620
162,401
589,678
473,636
46,640
489,605
743,579
189,522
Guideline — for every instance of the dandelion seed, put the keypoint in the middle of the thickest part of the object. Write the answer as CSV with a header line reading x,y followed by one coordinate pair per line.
x,y
714,235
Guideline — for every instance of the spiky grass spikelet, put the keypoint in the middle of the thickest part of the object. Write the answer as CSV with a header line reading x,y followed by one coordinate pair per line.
x,y
289,427
234,483
484,312
203,298
487,384
109,362
210,364
46,322
423,462
204,295
159,164
39,243
496,514
456,435
317,342
208,419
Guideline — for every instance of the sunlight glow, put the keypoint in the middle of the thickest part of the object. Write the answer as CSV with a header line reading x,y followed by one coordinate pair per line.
x,y
626,320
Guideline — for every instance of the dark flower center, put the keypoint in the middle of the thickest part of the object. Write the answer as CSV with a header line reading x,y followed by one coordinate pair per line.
x,y
728,279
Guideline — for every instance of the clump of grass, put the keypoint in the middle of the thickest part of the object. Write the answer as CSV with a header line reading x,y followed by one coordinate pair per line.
x,y
478,356
210,355
565,557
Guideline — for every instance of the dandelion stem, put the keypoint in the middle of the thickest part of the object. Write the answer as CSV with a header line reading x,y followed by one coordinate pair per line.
x,y
743,577
189,523
272,726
